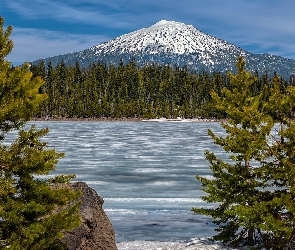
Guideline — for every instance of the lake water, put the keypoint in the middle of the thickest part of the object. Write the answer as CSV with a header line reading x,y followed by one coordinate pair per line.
x,y
144,171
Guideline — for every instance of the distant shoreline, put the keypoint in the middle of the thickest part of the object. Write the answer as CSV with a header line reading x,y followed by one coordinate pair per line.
x,y
75,119
124,119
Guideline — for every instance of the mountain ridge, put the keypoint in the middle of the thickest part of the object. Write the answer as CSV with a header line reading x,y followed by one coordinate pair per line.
x,y
166,36
175,43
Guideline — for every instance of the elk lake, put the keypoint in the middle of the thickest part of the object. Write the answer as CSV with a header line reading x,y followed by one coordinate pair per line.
x,y
144,171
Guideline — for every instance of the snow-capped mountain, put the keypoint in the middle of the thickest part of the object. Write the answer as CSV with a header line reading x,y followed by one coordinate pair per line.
x,y
167,37
178,44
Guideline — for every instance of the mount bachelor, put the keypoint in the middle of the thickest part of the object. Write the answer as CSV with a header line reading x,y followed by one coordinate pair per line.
x,y
177,44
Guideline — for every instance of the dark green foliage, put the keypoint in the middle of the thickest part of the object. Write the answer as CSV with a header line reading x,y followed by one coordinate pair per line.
x,y
131,91
128,91
27,202
18,92
34,209
254,189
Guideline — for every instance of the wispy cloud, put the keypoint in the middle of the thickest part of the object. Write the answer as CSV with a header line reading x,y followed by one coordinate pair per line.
x,y
33,44
257,26
67,12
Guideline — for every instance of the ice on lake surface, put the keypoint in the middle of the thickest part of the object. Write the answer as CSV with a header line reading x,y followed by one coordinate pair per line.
x,y
194,244
144,171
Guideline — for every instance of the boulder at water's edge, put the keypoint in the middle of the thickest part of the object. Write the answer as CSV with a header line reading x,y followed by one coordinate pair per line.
x,y
96,231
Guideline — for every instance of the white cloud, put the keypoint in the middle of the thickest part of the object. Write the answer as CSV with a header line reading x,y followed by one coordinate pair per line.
x,y
65,12
33,44
257,26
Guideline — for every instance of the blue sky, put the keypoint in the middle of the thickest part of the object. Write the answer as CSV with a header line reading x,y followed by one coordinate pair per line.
x,y
45,28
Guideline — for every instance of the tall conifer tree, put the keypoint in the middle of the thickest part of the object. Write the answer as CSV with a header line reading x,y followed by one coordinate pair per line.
x,y
254,196
275,206
34,209
235,183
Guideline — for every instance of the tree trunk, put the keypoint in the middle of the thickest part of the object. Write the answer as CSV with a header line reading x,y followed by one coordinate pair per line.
x,y
251,236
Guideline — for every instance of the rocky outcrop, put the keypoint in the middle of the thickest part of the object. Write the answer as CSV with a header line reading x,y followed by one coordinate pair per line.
x,y
96,231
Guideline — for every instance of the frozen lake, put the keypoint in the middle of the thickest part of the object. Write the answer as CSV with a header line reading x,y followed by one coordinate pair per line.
x,y
145,172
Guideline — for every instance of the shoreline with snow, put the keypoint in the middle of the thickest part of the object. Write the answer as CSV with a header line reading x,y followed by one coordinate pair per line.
x,y
179,119
194,244
126,119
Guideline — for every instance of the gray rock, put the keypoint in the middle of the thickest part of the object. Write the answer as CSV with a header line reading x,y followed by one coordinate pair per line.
x,y
96,231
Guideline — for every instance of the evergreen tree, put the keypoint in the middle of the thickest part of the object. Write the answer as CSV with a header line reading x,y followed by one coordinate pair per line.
x,y
128,90
34,209
237,185
276,204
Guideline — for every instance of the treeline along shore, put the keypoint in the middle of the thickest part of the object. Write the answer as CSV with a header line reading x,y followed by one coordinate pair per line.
x,y
130,92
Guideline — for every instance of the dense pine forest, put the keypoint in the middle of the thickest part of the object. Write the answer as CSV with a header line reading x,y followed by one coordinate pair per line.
x,y
129,91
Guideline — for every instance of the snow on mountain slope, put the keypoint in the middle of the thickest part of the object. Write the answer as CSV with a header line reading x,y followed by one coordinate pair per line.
x,y
175,43
168,37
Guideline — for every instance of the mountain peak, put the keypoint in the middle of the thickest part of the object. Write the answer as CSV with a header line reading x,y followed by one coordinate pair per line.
x,y
165,37
177,44
163,22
